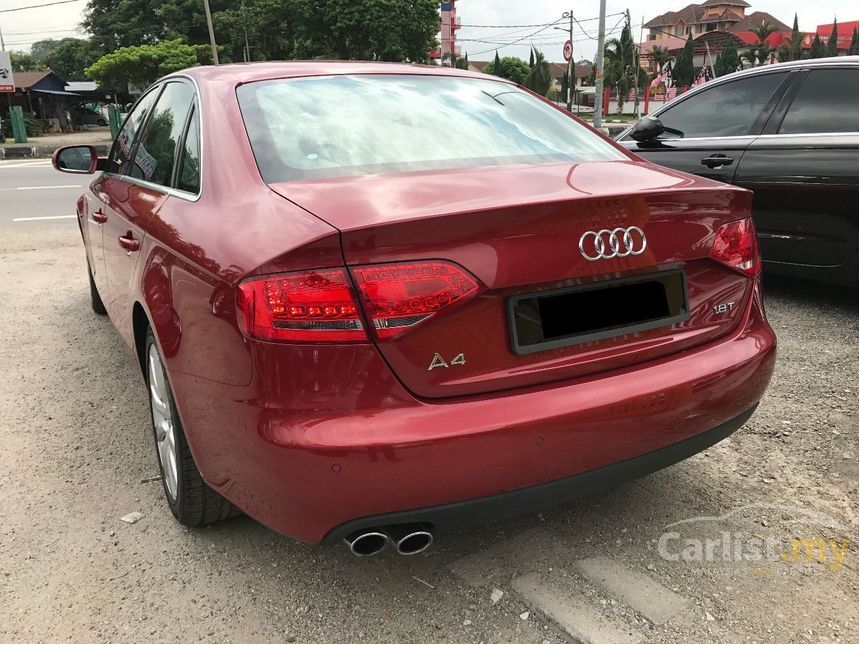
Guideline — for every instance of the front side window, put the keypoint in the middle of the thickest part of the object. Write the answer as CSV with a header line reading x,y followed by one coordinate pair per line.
x,y
155,154
338,126
121,150
826,102
725,109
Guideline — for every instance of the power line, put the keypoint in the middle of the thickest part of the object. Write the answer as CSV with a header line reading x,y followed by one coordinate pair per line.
x,y
543,24
37,6
543,28
41,31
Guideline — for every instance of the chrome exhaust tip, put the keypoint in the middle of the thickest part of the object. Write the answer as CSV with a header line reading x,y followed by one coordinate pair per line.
x,y
366,543
410,539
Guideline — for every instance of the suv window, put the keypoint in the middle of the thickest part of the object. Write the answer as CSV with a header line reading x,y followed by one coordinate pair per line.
x,y
826,102
726,109
155,154
121,150
188,176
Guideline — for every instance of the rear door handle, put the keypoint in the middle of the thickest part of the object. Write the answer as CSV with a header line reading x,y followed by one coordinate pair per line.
x,y
128,242
99,217
717,161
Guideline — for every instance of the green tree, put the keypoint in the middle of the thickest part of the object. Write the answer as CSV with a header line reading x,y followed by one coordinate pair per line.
x,y
497,65
619,65
832,42
761,51
144,64
660,56
391,30
792,50
539,79
683,72
395,30
509,67
817,48
24,62
69,59
727,61
852,48
532,58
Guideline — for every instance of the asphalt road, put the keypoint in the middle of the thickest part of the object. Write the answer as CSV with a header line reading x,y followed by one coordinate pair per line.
x,y
77,456
32,194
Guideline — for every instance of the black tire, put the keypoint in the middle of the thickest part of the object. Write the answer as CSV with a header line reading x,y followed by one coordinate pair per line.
x,y
195,504
102,122
95,298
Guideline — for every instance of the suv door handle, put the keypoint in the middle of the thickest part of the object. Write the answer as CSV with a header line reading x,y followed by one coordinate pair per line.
x,y
128,242
99,217
717,161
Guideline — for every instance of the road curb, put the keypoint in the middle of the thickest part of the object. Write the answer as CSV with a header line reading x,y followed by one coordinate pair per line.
x,y
39,152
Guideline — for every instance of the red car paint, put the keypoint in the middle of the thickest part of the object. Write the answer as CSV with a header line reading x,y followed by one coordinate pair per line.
x,y
304,437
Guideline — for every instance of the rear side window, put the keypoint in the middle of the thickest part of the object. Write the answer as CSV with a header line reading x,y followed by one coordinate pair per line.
x,y
155,154
347,125
826,102
188,175
726,109
121,151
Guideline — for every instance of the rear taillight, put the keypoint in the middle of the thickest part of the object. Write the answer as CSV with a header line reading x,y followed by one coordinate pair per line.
x,y
320,306
307,306
397,297
736,245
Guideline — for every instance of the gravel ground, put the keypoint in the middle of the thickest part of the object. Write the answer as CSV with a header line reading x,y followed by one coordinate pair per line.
x,y
77,456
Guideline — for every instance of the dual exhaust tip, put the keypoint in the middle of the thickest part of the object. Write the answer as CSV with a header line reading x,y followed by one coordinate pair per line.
x,y
408,539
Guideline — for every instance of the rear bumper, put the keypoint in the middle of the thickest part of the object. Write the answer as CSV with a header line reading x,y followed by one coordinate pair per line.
x,y
318,456
542,496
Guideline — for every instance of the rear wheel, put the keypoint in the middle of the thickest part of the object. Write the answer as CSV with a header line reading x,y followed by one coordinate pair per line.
x,y
102,122
95,298
191,501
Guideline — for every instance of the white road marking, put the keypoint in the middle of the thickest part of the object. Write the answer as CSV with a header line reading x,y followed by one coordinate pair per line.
x,y
33,219
45,187
25,164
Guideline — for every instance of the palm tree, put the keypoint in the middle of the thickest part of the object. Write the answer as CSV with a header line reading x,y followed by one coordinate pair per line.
x,y
540,75
792,50
761,50
660,56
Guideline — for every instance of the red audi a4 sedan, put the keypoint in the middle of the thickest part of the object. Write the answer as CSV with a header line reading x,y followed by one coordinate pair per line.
x,y
373,301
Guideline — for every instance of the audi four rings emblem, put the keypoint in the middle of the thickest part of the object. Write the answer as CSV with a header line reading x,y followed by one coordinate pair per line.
x,y
606,244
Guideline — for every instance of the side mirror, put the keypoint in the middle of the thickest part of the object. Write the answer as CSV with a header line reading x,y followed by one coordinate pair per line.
x,y
646,129
81,160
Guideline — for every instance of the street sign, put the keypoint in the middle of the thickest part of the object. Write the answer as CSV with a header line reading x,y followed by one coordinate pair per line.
x,y
7,82
568,51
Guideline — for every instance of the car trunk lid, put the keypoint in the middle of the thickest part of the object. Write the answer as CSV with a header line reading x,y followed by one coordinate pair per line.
x,y
517,230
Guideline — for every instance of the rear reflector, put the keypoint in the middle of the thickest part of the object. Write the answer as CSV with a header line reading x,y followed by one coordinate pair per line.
x,y
736,245
308,306
397,297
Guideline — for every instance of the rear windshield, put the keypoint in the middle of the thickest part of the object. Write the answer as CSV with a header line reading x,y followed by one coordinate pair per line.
x,y
340,126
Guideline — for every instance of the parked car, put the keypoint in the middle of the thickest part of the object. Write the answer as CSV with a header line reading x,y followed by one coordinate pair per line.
x,y
88,116
789,133
372,301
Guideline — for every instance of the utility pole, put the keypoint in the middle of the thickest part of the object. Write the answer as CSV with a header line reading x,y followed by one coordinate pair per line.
x,y
598,66
211,32
570,63
245,30
639,63
635,67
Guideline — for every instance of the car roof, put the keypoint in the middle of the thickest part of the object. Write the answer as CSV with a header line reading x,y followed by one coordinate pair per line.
x,y
844,61
239,73
794,64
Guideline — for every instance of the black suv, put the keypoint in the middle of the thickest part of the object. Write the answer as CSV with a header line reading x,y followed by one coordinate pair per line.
x,y
789,132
